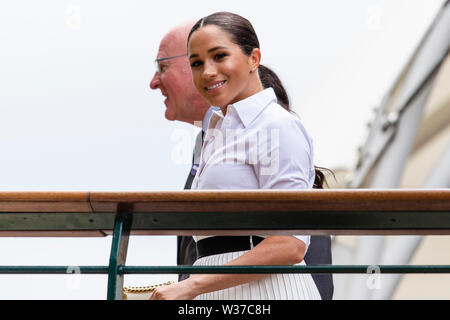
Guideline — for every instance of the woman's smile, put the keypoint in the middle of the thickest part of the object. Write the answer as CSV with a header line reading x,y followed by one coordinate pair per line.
x,y
214,86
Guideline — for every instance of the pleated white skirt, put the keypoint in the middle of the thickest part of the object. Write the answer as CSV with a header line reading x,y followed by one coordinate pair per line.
x,y
296,286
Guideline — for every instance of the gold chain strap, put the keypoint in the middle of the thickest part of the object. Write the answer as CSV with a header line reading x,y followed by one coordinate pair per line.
x,y
145,289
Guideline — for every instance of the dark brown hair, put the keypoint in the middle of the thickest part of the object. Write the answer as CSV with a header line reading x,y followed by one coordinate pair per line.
x,y
243,34
240,29
269,79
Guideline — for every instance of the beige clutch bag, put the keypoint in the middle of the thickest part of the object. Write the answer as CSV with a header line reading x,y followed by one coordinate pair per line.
x,y
141,293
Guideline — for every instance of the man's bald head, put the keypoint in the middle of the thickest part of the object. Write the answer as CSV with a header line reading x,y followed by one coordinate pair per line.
x,y
183,102
176,38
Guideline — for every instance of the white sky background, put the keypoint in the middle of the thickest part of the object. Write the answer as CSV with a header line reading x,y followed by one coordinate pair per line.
x,y
77,114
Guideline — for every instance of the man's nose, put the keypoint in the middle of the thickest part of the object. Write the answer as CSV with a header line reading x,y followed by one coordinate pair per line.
x,y
155,82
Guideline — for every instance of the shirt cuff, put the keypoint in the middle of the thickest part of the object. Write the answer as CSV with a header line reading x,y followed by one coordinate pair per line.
x,y
306,240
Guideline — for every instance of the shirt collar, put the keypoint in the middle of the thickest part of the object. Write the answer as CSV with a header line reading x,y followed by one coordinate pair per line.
x,y
207,117
249,108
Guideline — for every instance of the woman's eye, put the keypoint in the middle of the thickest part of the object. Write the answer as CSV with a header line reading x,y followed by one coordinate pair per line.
x,y
220,56
196,64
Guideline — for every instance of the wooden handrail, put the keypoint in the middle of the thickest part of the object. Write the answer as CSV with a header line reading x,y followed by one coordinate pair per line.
x,y
230,212
230,200
237,212
31,201
276,200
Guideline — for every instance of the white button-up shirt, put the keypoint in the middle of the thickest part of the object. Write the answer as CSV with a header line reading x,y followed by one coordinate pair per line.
x,y
256,145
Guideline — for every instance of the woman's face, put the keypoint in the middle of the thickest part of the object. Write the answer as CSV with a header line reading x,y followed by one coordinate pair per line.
x,y
221,71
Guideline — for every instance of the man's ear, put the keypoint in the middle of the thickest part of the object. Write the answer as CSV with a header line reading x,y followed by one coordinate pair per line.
x,y
254,59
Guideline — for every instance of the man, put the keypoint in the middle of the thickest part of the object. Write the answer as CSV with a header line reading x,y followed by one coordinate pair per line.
x,y
184,103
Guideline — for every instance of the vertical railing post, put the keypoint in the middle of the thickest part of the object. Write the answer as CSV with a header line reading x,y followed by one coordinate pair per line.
x,y
119,247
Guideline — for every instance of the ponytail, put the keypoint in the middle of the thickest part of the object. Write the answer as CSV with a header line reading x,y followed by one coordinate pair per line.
x,y
269,79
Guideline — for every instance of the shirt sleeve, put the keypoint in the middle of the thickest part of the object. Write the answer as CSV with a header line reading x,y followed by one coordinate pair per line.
x,y
286,161
306,240
285,158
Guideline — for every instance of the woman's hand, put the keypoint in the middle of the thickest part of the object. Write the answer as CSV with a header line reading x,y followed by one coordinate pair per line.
x,y
177,291
274,250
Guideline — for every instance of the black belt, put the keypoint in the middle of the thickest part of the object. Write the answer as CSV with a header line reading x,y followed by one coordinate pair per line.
x,y
217,245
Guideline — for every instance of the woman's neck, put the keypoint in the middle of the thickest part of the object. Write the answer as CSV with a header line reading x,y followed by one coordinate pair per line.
x,y
254,88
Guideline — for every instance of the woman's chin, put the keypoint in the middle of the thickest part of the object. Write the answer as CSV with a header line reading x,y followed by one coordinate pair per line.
x,y
216,101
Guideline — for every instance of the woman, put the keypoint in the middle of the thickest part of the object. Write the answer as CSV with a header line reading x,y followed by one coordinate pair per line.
x,y
253,143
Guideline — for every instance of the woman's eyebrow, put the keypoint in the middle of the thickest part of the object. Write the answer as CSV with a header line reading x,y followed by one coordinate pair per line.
x,y
194,55
216,48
